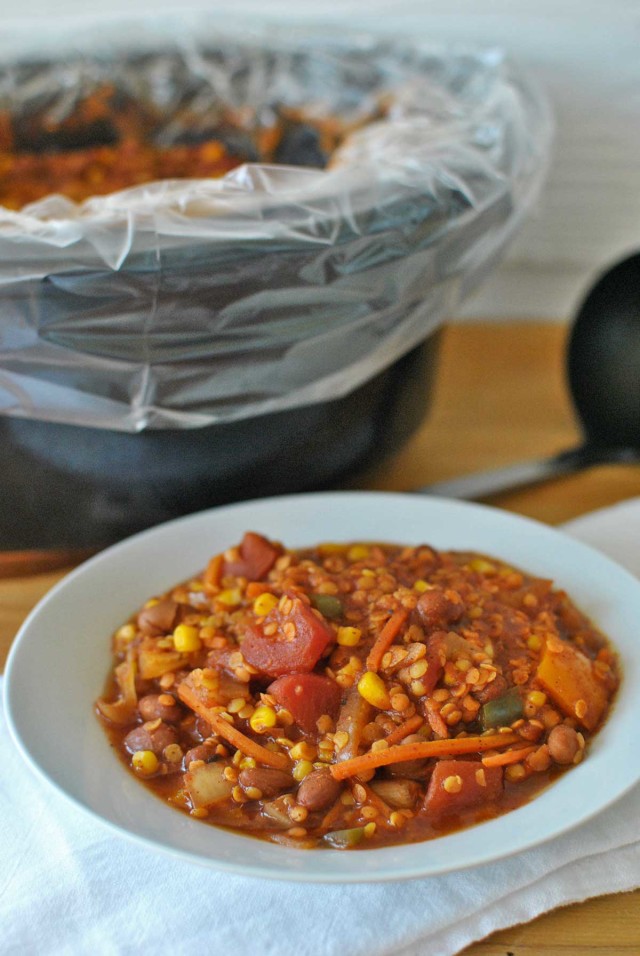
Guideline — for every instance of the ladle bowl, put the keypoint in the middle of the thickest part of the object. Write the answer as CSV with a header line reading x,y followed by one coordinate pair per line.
x,y
603,370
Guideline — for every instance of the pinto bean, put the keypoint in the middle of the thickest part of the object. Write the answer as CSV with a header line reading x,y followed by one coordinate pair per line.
x,y
563,744
158,619
138,739
157,705
437,609
157,739
206,752
203,727
162,736
318,790
268,781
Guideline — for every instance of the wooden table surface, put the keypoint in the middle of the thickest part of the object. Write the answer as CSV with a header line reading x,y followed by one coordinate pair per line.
x,y
500,396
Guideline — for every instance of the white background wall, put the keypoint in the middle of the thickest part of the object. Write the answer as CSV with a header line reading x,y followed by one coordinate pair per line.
x,y
587,55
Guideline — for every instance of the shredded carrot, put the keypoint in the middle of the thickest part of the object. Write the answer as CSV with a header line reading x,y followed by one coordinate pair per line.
x,y
385,638
248,747
404,729
332,815
213,573
419,751
254,589
228,732
510,756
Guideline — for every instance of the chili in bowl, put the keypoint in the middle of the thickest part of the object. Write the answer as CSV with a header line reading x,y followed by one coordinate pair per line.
x,y
355,694
431,683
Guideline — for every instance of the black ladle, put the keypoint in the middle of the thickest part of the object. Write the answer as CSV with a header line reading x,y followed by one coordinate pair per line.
x,y
603,367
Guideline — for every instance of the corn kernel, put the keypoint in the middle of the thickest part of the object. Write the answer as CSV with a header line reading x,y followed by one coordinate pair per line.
x,y
534,643
262,718
537,698
230,597
372,688
264,603
370,829
186,639
152,602
421,586
358,552
331,547
126,633
303,751
145,761
482,566
301,769
348,636
284,742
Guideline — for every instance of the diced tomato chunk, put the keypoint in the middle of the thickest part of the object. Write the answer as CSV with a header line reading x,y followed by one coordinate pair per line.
x,y
460,785
300,638
257,557
307,697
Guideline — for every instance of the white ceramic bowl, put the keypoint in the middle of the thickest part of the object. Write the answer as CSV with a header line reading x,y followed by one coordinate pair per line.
x,y
60,659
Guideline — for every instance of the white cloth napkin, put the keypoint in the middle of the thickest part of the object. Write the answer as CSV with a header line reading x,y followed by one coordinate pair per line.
x,y
67,886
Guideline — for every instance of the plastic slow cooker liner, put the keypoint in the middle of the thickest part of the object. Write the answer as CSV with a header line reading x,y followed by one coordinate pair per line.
x,y
185,303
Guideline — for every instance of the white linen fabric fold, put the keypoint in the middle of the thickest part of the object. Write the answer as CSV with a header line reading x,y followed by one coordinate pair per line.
x,y
68,886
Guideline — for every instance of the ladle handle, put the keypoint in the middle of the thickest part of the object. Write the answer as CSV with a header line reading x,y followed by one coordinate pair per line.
x,y
485,483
